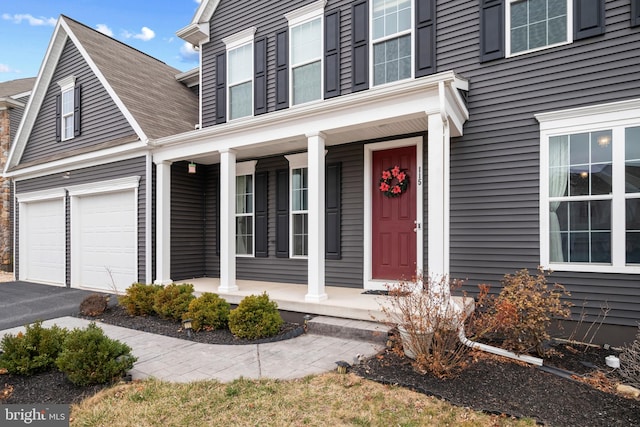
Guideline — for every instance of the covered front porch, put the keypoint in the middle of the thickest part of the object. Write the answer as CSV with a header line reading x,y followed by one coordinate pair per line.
x,y
349,129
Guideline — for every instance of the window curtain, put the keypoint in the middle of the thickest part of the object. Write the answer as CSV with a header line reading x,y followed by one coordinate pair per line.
x,y
558,179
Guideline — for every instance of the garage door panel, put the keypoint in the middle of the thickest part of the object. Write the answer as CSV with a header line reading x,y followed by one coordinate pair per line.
x,y
106,234
42,242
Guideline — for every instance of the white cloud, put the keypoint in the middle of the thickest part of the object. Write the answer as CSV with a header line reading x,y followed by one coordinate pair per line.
x,y
188,53
32,20
104,29
145,34
5,69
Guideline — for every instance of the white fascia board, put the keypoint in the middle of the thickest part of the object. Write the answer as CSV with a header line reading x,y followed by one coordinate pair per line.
x,y
45,74
6,103
53,193
114,96
108,186
94,158
21,95
416,98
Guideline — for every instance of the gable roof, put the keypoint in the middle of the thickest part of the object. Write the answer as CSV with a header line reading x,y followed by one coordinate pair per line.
x,y
16,87
145,89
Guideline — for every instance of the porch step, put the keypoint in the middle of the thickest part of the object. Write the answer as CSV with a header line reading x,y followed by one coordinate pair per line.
x,y
360,330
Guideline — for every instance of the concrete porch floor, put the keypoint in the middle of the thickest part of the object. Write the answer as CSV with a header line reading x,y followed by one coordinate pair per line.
x,y
349,303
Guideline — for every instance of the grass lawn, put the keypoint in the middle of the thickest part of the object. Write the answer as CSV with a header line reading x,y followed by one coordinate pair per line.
x,y
325,400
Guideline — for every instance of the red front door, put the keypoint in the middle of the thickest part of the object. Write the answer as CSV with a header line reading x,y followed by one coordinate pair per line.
x,y
393,218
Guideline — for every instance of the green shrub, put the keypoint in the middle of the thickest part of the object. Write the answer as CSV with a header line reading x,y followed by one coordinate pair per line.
x,y
255,317
94,305
521,314
208,311
173,300
34,351
139,299
90,357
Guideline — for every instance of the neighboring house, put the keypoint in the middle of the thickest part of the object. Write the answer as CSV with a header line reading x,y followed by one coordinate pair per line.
x,y
516,124
14,95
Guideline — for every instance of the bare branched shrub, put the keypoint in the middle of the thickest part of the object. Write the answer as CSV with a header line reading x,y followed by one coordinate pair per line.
x,y
521,314
428,324
630,361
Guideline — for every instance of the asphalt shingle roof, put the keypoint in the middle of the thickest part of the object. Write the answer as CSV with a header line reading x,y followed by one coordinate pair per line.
x,y
160,104
14,87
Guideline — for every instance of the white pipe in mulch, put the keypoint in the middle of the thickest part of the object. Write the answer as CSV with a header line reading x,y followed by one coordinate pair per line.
x,y
443,293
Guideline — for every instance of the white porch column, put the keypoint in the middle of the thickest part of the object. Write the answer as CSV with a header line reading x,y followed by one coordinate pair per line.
x,y
227,221
438,153
163,223
315,193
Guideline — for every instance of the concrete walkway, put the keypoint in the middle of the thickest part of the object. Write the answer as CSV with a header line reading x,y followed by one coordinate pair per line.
x,y
178,360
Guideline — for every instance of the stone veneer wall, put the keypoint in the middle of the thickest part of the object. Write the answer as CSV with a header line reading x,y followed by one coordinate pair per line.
x,y
6,247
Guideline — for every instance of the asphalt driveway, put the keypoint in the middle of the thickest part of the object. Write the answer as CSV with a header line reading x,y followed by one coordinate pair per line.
x,y
23,302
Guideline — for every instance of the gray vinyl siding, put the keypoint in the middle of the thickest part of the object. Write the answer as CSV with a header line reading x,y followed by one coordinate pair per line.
x,y
187,221
15,115
102,121
125,168
231,18
495,166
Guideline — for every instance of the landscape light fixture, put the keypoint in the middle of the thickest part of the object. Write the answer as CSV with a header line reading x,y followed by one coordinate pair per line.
x,y
186,325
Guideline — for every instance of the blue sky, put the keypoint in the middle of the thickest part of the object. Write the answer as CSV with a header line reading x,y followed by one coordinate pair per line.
x,y
26,27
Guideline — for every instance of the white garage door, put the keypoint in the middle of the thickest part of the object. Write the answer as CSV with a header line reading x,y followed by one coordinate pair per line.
x,y
42,241
104,240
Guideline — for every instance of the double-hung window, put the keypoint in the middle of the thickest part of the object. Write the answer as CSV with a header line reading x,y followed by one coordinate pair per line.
x,y
240,74
67,88
391,28
537,24
245,208
306,47
590,193
299,179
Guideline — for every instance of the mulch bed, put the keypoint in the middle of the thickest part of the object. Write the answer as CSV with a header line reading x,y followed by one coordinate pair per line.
x,y
498,385
492,384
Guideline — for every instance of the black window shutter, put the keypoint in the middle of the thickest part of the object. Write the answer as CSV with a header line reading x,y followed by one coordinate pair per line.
x,y
221,88
588,18
491,30
360,46
58,118
282,69
77,110
332,54
425,37
260,78
282,213
261,215
332,211
635,13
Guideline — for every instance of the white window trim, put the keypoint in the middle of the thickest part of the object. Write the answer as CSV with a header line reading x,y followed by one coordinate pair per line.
x,y
242,169
296,161
507,30
410,32
67,84
299,17
245,37
615,116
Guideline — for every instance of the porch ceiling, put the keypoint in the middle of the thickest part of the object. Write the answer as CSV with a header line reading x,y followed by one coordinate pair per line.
x,y
363,132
